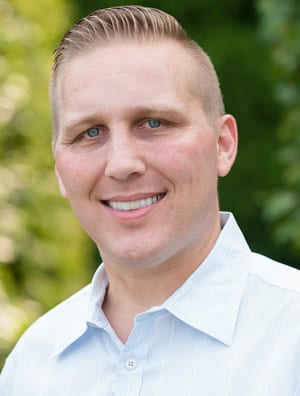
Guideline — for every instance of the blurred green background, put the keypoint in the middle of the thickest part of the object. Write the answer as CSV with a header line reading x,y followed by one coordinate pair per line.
x,y
255,46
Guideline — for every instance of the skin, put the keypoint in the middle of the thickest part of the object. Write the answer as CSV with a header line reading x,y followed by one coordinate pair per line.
x,y
147,135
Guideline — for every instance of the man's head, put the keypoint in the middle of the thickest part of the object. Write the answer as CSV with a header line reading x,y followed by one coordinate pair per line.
x,y
141,140
134,24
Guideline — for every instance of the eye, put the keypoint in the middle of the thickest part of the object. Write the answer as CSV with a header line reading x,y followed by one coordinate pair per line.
x,y
154,123
92,132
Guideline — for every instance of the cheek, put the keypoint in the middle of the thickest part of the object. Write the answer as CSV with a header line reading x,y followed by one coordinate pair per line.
x,y
77,173
188,160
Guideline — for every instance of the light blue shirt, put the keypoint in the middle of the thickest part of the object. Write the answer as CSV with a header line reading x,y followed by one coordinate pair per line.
x,y
232,329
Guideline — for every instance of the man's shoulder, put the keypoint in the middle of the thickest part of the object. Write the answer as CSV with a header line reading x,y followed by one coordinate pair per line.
x,y
275,274
42,339
48,328
272,295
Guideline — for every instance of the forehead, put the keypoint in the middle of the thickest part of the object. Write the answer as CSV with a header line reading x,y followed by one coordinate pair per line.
x,y
127,73
154,59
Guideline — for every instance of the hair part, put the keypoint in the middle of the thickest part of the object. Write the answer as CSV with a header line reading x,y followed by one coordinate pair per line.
x,y
138,24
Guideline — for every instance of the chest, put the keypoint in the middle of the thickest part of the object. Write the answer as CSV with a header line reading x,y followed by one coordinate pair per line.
x,y
165,357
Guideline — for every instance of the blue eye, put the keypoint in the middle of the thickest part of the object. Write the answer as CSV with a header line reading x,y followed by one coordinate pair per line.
x,y
154,123
93,132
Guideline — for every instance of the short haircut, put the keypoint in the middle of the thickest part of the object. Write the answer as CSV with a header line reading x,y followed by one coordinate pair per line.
x,y
138,24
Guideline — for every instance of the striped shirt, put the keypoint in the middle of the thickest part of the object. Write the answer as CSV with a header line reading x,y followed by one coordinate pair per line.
x,y
232,329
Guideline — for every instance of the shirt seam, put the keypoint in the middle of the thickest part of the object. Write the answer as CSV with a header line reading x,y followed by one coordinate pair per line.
x,y
270,283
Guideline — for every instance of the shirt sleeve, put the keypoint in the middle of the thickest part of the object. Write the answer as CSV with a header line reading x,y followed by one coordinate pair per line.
x,y
7,376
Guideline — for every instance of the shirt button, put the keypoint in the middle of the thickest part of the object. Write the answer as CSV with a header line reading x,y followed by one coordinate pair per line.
x,y
130,364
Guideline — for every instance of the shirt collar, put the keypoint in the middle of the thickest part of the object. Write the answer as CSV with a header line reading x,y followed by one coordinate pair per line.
x,y
208,301
84,312
210,298
69,320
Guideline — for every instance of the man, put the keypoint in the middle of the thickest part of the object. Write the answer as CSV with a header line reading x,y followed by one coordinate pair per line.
x,y
180,305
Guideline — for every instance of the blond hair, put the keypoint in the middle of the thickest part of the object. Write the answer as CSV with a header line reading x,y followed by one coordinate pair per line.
x,y
140,24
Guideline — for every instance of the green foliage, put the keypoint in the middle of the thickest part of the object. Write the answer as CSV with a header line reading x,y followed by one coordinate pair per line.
x,y
44,255
280,30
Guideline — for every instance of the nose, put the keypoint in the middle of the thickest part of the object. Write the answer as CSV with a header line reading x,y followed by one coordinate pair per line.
x,y
124,158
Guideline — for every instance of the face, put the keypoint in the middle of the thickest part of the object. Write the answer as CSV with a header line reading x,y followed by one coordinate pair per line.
x,y
136,156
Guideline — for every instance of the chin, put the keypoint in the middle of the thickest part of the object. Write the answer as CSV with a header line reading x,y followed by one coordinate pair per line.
x,y
135,258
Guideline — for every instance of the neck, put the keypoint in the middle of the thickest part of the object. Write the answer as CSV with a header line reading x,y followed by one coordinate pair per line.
x,y
135,290
134,293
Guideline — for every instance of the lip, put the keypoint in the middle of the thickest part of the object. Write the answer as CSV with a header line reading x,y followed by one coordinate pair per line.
x,y
134,214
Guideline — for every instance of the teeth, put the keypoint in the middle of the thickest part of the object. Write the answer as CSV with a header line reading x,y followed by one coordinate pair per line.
x,y
133,205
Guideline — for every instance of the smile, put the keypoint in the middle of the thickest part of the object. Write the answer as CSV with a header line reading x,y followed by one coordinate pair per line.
x,y
134,205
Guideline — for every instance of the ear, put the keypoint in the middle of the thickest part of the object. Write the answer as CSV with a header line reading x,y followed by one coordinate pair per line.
x,y
227,144
60,183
